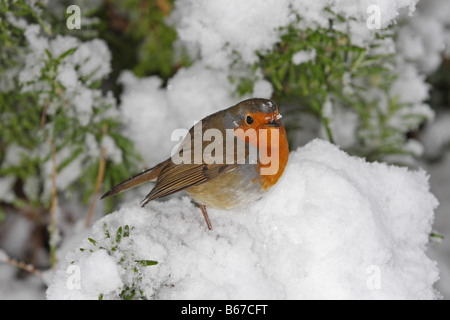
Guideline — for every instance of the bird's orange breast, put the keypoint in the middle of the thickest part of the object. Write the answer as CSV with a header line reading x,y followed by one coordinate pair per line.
x,y
274,158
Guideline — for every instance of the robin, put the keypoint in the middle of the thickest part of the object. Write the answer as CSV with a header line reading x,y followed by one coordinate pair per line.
x,y
222,174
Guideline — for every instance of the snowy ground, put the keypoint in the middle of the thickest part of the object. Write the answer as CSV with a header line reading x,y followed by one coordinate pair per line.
x,y
334,227
340,204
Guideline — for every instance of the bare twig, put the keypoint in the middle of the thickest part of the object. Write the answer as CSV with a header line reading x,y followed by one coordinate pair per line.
x,y
18,264
44,114
101,172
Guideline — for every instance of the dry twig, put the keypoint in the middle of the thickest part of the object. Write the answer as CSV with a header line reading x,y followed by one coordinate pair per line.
x,y
18,264
101,172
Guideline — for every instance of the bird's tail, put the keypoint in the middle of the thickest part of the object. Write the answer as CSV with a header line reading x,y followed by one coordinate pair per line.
x,y
134,181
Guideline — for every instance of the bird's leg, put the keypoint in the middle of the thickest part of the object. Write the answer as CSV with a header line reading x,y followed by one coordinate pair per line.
x,y
205,215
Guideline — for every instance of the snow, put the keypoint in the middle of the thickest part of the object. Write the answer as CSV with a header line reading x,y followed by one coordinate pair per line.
x,y
303,56
111,150
91,60
88,63
440,182
204,26
20,228
424,38
99,274
6,184
437,136
410,87
3,256
335,226
332,225
215,29
29,288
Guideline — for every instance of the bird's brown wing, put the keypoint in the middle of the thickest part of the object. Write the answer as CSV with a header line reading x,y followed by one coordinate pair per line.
x,y
177,177
174,178
138,179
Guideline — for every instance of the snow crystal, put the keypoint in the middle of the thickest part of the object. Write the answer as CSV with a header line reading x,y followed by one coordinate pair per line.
x,y
304,56
84,101
37,43
334,226
92,275
70,173
216,29
436,136
146,113
415,147
62,44
262,89
343,124
94,59
99,273
3,256
15,21
204,26
92,146
67,76
410,86
422,40
6,187
14,155
112,150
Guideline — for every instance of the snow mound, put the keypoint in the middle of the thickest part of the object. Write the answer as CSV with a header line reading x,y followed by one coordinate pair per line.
x,y
334,227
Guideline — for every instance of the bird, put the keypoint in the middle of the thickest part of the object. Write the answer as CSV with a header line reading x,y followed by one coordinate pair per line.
x,y
247,156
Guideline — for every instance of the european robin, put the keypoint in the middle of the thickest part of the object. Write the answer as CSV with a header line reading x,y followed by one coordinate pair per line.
x,y
246,158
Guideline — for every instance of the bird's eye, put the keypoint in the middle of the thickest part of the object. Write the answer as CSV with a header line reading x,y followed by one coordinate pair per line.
x,y
249,120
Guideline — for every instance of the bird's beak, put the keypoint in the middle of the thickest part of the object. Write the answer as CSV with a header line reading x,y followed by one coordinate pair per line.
x,y
273,123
